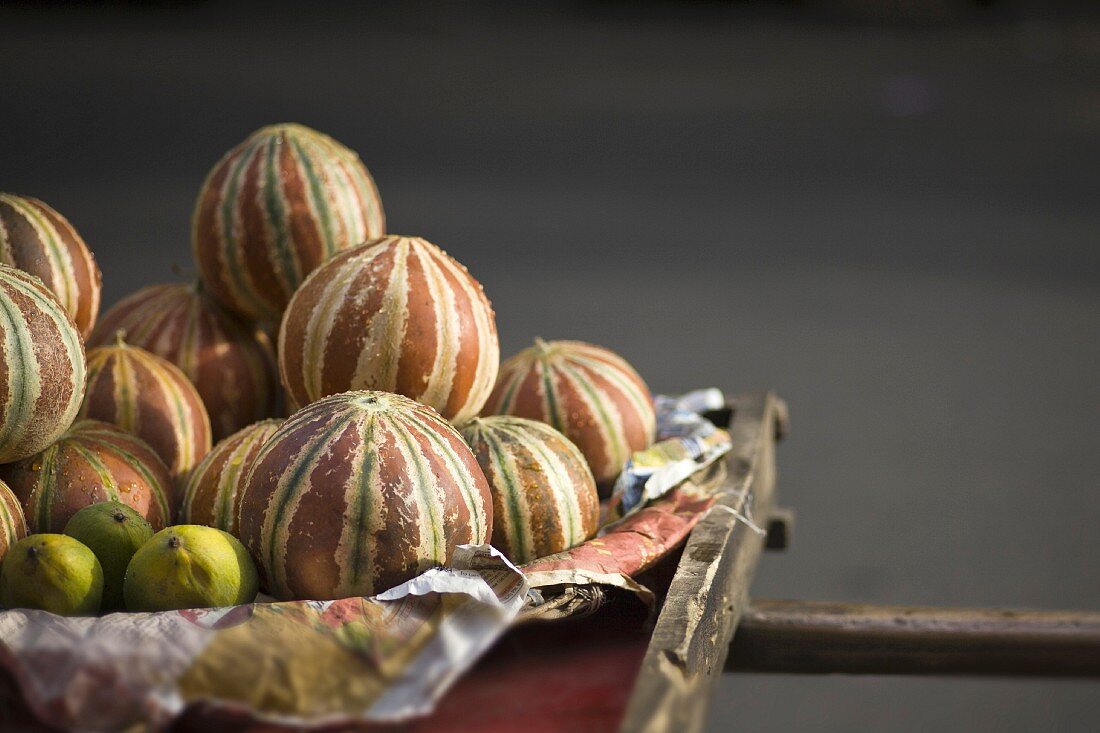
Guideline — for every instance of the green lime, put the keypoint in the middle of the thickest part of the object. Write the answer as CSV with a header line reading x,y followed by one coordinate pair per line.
x,y
52,572
190,566
114,532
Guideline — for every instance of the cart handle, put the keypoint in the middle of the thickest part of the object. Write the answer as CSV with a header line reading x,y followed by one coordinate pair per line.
x,y
819,637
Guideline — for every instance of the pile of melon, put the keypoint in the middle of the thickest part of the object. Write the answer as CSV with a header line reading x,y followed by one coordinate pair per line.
x,y
321,414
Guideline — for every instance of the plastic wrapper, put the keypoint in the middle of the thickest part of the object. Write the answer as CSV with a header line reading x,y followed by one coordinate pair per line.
x,y
686,443
682,416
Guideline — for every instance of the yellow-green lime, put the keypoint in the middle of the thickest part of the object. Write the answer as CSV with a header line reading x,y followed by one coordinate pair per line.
x,y
52,572
114,532
190,566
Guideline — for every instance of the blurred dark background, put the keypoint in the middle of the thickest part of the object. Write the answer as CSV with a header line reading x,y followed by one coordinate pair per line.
x,y
886,211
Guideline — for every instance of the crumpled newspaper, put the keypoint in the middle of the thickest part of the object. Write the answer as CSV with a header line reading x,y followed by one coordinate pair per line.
x,y
384,658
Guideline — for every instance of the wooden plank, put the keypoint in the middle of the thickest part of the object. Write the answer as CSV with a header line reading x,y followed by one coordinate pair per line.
x,y
816,637
704,603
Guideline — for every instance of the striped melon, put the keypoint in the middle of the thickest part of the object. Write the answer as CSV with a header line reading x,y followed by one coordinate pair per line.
x,y
13,527
213,492
587,392
395,314
544,496
359,492
273,209
38,240
42,366
151,398
92,462
231,363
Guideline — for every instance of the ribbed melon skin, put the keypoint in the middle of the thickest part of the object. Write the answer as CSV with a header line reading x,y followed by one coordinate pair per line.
x,y
42,366
544,496
396,314
231,363
589,393
359,492
273,209
151,398
40,241
92,462
213,492
13,527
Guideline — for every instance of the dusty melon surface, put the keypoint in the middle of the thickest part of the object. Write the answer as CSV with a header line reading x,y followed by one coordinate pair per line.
x,y
43,368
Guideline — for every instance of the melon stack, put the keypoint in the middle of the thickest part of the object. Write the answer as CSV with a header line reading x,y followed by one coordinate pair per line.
x,y
407,437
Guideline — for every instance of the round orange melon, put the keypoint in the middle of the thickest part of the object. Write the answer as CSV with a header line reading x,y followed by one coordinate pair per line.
x,y
41,242
544,496
42,366
91,463
151,398
273,209
395,314
357,493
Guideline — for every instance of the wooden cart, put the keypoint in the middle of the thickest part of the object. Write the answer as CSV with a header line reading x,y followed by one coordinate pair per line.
x,y
617,669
